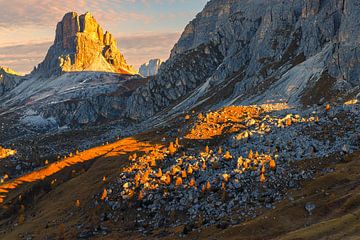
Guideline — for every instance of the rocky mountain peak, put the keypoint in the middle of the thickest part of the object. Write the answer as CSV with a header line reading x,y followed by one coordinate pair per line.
x,y
81,45
150,68
8,79
9,71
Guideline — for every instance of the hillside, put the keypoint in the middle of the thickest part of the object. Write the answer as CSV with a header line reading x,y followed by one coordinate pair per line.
x,y
311,188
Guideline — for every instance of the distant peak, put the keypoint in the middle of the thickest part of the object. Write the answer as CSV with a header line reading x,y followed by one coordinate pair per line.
x,y
150,68
9,71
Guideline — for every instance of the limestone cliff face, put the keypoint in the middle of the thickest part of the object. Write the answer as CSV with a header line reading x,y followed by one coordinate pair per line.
x,y
200,29
81,45
259,50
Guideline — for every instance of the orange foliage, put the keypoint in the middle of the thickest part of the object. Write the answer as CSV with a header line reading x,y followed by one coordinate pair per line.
x,y
226,177
288,122
167,179
180,161
183,174
115,149
192,182
245,164
132,157
328,107
103,195
175,170
208,186
145,176
220,150
196,166
4,153
172,149
190,170
272,164
159,173
251,154
178,181
137,179
240,162
203,166
77,203
141,195
262,178
131,193
227,156
152,162
187,117
207,149
104,179
263,169
226,120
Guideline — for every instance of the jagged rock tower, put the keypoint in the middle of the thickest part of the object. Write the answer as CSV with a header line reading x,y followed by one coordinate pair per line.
x,y
81,45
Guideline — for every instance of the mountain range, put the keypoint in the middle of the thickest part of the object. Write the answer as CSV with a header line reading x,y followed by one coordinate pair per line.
x,y
251,51
264,83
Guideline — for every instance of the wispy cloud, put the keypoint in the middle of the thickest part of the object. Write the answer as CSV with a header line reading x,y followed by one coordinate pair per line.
x,y
44,12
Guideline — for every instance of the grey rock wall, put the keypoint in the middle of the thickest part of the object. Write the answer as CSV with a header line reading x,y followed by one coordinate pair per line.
x,y
268,41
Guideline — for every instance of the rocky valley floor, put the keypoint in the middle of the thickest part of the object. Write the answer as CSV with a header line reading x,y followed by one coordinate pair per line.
x,y
245,172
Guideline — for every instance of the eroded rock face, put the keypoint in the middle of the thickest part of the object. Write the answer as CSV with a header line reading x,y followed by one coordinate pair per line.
x,y
151,68
266,51
176,78
81,45
8,79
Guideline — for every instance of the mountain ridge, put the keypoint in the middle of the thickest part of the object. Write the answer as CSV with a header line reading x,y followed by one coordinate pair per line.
x,y
261,44
248,121
9,78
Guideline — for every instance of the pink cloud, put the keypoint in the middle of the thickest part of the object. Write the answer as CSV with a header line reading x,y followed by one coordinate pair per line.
x,y
49,12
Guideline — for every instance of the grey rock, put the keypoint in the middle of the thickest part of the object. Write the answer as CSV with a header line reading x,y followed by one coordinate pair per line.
x,y
310,207
9,79
151,68
346,148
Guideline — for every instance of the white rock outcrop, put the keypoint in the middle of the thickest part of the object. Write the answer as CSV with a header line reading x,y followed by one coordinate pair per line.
x,y
151,68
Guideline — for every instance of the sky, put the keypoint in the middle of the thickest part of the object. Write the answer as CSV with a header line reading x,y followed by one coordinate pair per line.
x,y
144,29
